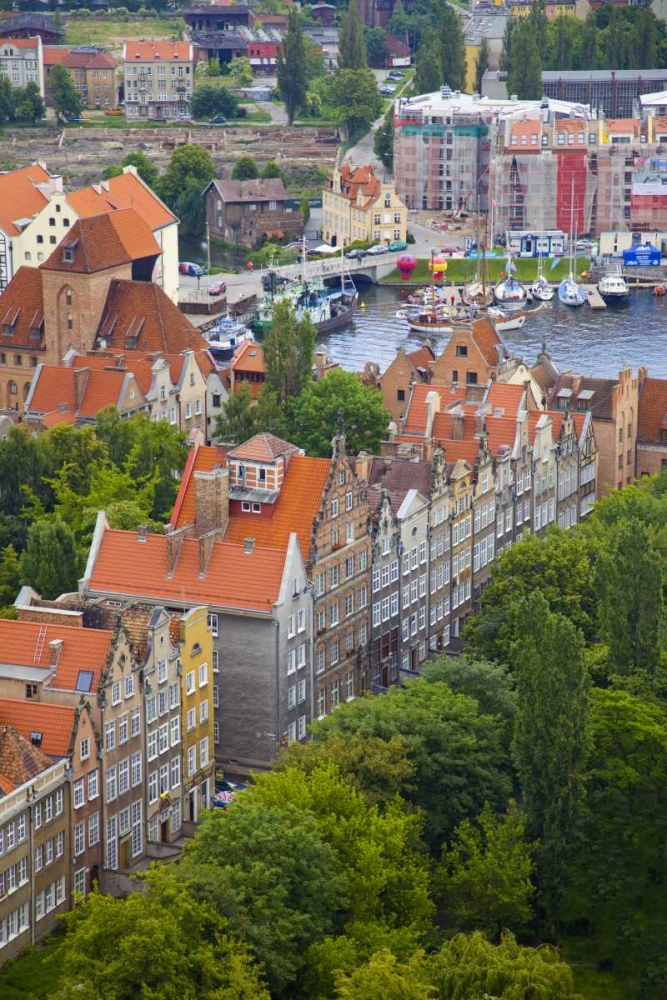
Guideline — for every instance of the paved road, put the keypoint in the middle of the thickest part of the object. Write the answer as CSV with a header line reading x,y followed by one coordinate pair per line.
x,y
277,111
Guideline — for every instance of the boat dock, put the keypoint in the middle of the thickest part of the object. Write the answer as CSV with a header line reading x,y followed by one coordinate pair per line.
x,y
593,297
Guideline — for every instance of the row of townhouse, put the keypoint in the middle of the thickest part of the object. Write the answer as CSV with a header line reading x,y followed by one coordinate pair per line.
x,y
116,724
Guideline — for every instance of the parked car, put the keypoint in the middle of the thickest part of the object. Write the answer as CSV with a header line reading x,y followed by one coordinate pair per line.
x,y
388,91
185,118
377,249
219,288
395,75
217,120
398,245
356,254
583,246
187,267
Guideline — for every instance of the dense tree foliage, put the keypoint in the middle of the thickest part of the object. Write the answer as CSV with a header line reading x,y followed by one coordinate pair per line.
x,y
351,41
292,70
211,99
65,98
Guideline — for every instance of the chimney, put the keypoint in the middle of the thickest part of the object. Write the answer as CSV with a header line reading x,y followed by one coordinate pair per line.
x,y
211,501
142,532
248,545
80,376
457,425
362,466
55,649
432,407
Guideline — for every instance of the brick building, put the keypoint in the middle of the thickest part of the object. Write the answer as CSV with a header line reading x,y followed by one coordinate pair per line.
x,y
651,425
397,379
251,211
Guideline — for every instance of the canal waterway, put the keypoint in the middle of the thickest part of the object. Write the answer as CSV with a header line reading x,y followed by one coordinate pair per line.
x,y
591,342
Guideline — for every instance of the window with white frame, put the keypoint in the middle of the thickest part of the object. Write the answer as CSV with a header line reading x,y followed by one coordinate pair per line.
x,y
192,761
111,782
93,784
203,752
129,685
152,787
79,796
203,711
135,768
79,839
212,622
190,682
203,674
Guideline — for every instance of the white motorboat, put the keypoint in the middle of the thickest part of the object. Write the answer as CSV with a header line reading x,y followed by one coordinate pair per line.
x,y
613,287
227,334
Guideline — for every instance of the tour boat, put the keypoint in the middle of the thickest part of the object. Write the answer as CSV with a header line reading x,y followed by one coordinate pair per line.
x,y
430,321
223,338
613,286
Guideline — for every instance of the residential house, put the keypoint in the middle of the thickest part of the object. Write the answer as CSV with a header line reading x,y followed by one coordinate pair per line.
x,y
251,588
358,206
248,368
162,681
614,406
65,733
405,370
158,79
93,71
472,357
200,696
23,195
76,395
399,493
21,61
29,24
251,211
94,291
34,843
651,425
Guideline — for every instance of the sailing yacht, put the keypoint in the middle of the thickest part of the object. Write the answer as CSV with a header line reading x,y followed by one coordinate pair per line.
x,y
570,291
510,293
540,288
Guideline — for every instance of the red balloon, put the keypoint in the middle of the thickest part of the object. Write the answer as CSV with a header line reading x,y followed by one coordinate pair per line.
x,y
406,265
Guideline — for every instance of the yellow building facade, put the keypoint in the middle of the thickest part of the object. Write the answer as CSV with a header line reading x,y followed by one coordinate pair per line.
x,y
197,667
358,206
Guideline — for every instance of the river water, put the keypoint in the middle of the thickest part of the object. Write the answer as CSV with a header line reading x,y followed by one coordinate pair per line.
x,y
591,342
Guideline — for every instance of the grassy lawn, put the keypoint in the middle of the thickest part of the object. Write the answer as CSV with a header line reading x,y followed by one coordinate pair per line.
x,y
459,270
33,975
104,31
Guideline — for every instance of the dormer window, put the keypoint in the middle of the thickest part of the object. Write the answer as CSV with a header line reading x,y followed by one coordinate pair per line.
x,y
68,257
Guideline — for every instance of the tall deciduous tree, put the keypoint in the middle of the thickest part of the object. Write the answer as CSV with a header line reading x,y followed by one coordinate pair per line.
x,y
383,143
452,49
236,422
525,75
190,170
589,43
245,169
292,70
549,735
351,42
353,93
288,352
428,66
51,563
630,582
64,95
10,575
314,414
484,877
482,64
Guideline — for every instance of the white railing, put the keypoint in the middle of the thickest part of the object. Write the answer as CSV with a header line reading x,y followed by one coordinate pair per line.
x,y
16,801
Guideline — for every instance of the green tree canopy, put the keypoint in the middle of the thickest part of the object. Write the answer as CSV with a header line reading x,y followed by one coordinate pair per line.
x,y
482,64
456,751
383,143
484,877
186,163
376,47
65,97
288,352
245,169
209,99
351,42
353,95
51,563
292,67
428,66
145,167
525,72
452,49
314,414
240,71
549,736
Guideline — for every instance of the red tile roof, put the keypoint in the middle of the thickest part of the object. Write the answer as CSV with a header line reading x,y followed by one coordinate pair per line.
x,y
359,180
54,722
53,389
416,415
126,191
52,55
160,49
423,357
200,459
78,59
444,424
20,198
19,760
139,316
263,447
22,308
234,578
501,432
249,357
84,649
294,511
102,242
486,338
652,412
506,397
